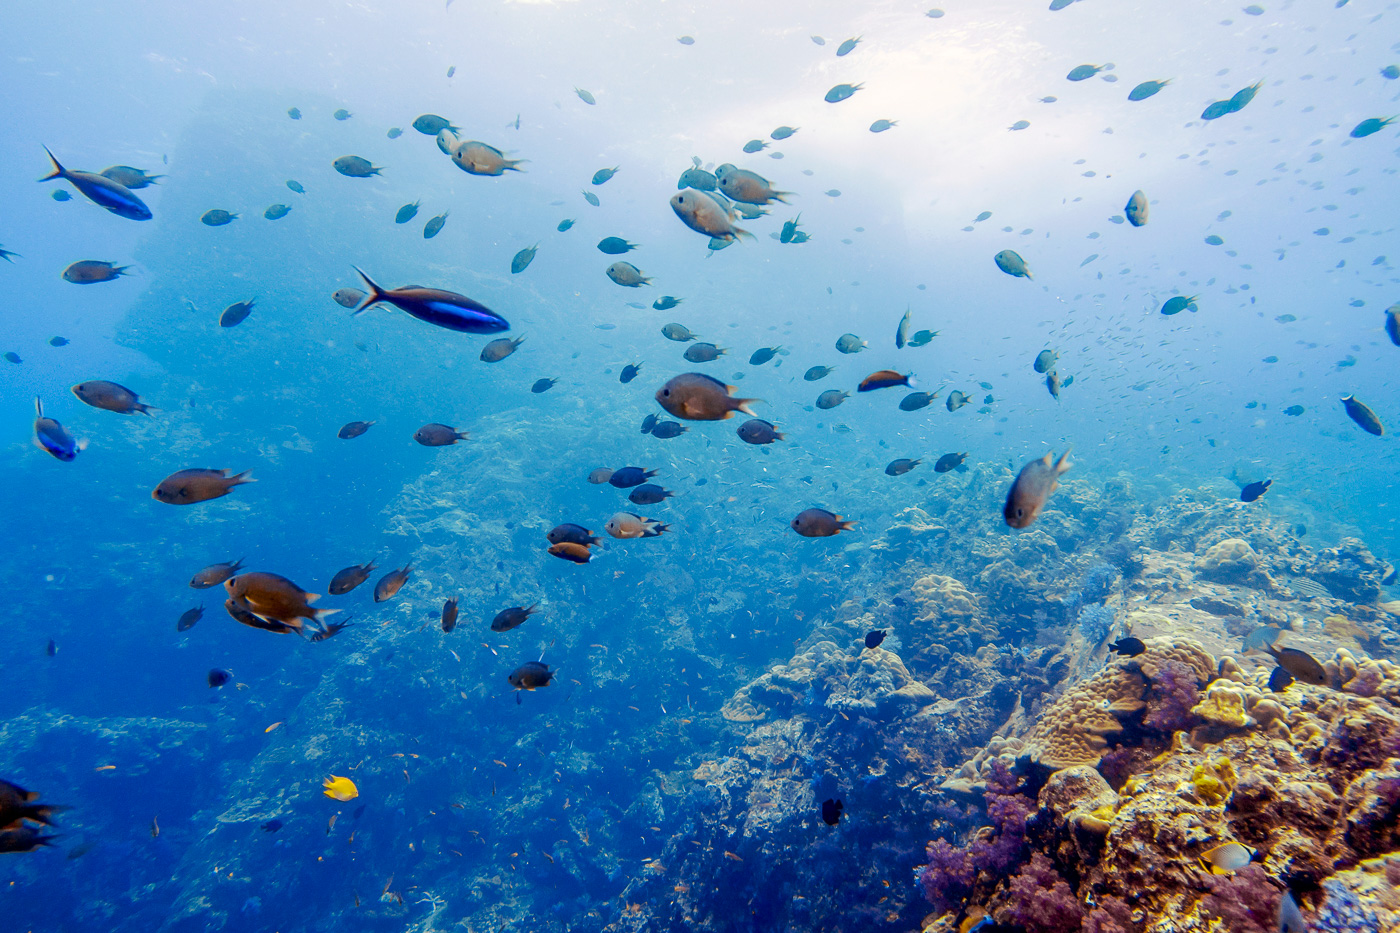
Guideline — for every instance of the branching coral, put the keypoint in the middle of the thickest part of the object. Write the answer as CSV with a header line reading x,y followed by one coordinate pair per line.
x,y
1245,902
948,877
1040,901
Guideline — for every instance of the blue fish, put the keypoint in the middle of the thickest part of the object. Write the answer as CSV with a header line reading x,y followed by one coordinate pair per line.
x,y
50,436
436,306
101,191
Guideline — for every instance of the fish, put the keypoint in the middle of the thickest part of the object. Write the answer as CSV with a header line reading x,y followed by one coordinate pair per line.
x,y
246,617
755,145
648,494
627,477
1045,360
430,124
702,352
922,338
296,186
1392,323
1253,491
763,355
530,676
59,341
790,231
874,638
592,198
949,462
1369,126
342,114
1362,414
1300,664
217,677
816,373
885,379
1261,638
758,432
901,332
215,574
354,429
847,47
627,275
705,215
189,618
667,429
841,92
584,96
629,372
13,357
187,487
346,580
686,40
407,213
901,466
850,343
677,332
698,397
1179,303
434,226
543,385
477,158
1147,89
697,178
1010,262
449,615
616,246
294,113
1216,110
1288,917
831,398
1052,384
347,297
628,525
328,630
574,534
831,811
513,617
747,187
390,584
92,271
602,176
110,396
667,302
23,838
102,191
274,598
1280,680
340,788
60,195
436,306
1136,209
352,166
1128,647
499,349
1227,858
570,551
51,648
1084,72
1032,489
879,126
1019,125
271,826
521,260
155,823
956,399
277,211
600,476
819,523
783,132
564,225
236,313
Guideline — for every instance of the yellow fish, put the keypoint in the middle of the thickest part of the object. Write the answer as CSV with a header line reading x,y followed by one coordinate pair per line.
x,y
1227,858
340,788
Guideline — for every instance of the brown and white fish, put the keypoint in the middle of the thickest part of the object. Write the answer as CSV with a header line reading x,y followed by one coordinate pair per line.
x,y
819,523
89,271
600,476
349,578
215,574
274,597
571,551
1300,664
186,487
739,184
438,435
703,214
499,349
353,429
1032,488
389,584
252,620
449,615
627,525
477,158
109,396
698,397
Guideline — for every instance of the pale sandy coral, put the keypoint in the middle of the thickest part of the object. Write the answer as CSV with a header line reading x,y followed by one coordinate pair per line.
x,y
1231,561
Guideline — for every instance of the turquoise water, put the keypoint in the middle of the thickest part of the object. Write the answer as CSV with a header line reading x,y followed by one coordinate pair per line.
x,y
653,635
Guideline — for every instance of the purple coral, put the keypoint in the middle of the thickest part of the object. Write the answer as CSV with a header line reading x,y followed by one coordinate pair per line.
x,y
1112,915
948,877
1246,901
1175,691
1040,901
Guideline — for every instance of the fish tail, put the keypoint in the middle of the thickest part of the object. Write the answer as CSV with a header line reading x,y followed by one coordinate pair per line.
x,y
1063,464
375,292
742,404
740,232
238,479
39,407
144,409
843,525
778,196
317,615
58,170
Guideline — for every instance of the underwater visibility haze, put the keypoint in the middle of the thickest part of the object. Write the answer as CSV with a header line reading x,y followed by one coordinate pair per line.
x,y
633,466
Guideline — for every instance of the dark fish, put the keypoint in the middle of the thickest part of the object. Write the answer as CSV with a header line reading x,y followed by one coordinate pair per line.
x,y
449,615
1083,72
346,580
884,379
1300,664
572,534
584,96
543,385
186,487
819,523
1045,360
352,166
434,226
22,837
626,275
92,271
294,113
874,638
407,213
1179,303
1392,323
430,124
901,466
831,811
949,462
831,398
1136,209
354,429
513,617
59,341
499,349
277,211
188,618
755,145
629,372
818,372
1052,384
215,574
110,396
521,260
329,630
783,132
1362,415
668,429
13,357
437,307
1032,489
60,195
757,431
1010,262
390,584
789,231
603,174
591,198
665,303
568,550
51,649
677,332
956,399
1280,680
102,191
648,494
922,338
236,313
342,114
1372,125
564,225
438,435
1254,490
217,218
217,678
1146,89
531,676
703,352
850,343
272,598
879,126
253,620
697,397
296,186
271,826
841,92
763,355
627,477
394,132
1128,647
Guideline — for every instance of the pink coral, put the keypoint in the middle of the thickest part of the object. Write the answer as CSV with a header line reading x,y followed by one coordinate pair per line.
x,y
1040,901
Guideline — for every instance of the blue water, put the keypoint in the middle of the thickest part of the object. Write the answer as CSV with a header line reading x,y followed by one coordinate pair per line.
x,y
653,632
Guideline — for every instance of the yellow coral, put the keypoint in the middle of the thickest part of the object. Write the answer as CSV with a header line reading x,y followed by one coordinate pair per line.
x,y
1214,781
1223,705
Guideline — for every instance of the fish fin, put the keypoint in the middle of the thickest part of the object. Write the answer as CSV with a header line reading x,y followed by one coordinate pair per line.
x,y
778,196
742,404
238,479
741,233
58,170
1063,464
376,293
145,409
845,525
316,614
39,407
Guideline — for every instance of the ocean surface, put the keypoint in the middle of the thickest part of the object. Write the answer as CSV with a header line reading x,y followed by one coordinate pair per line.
x,y
485,807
